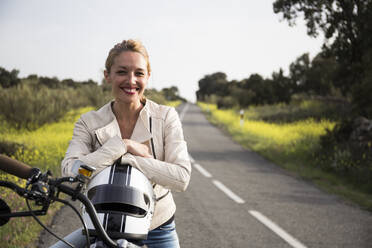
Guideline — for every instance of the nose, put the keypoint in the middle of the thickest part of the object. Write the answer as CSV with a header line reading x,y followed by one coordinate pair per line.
x,y
132,78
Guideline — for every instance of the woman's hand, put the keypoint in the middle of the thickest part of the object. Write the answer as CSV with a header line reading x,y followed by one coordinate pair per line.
x,y
137,149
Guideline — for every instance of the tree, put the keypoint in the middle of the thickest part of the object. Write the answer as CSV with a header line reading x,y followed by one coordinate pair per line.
x,y
347,29
312,77
171,93
242,96
52,83
32,77
320,76
363,95
69,83
282,87
9,78
215,83
298,71
262,89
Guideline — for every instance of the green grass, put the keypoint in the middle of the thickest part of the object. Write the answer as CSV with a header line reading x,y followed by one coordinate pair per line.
x,y
174,103
299,110
291,145
45,147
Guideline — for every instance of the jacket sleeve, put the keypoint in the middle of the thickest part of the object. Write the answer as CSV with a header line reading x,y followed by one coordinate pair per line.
x,y
81,149
174,172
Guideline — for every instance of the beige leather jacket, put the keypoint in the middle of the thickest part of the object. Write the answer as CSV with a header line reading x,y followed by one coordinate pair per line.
x,y
97,142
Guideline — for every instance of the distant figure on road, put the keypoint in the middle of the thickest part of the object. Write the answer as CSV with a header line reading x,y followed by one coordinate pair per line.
x,y
141,132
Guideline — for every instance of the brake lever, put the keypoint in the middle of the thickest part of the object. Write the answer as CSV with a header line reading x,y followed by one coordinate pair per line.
x,y
81,180
35,176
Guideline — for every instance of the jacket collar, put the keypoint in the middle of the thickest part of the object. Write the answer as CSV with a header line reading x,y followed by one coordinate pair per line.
x,y
141,132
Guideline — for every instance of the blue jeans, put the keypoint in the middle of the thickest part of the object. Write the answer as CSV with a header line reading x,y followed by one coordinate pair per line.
x,y
162,237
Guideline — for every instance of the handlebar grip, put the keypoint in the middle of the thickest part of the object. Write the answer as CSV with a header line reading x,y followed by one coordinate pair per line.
x,y
15,167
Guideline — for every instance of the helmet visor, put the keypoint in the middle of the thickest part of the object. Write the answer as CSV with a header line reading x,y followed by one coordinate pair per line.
x,y
108,198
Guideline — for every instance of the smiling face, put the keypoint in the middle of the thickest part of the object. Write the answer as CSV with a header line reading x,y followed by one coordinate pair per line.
x,y
128,77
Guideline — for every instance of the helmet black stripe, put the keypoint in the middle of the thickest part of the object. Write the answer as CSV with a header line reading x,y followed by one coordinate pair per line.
x,y
120,175
106,217
114,222
123,221
124,218
129,173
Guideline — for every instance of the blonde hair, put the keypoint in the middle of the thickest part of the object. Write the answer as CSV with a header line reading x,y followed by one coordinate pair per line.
x,y
127,45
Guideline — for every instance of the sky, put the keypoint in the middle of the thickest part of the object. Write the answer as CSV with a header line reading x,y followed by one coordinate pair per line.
x,y
186,40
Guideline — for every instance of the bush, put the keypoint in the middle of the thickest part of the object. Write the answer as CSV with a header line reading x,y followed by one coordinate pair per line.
x,y
226,102
10,148
90,95
302,109
40,100
345,157
29,107
155,96
362,98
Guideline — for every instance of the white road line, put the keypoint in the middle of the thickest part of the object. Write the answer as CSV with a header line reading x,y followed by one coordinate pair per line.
x,y
228,192
203,171
276,229
184,111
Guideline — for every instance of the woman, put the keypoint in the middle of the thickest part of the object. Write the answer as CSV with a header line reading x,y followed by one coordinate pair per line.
x,y
141,132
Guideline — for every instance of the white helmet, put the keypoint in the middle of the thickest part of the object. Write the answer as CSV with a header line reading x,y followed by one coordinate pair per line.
x,y
124,200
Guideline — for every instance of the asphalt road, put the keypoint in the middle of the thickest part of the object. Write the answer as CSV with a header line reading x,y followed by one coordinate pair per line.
x,y
238,199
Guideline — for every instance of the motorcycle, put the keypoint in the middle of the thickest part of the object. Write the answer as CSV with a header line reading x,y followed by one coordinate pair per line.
x,y
43,189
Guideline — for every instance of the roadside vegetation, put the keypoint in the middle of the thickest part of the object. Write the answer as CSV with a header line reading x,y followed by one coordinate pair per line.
x,y
37,117
323,138
296,145
315,120
44,148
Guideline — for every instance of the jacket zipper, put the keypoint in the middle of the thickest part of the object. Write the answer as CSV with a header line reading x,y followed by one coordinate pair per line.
x,y
153,153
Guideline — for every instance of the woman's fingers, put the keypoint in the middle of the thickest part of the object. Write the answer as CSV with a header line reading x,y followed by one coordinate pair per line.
x,y
137,149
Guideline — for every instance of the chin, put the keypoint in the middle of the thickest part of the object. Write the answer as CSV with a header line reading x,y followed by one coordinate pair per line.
x,y
128,100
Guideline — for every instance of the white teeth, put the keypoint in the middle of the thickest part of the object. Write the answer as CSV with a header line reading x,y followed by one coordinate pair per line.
x,y
129,90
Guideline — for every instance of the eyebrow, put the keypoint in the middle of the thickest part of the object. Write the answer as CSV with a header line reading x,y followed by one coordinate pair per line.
x,y
124,67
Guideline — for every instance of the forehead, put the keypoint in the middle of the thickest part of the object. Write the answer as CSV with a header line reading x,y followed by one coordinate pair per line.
x,y
130,59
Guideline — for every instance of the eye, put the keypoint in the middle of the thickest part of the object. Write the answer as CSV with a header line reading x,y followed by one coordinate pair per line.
x,y
140,74
122,72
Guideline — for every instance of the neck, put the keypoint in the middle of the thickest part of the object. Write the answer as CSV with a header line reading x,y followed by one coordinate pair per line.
x,y
125,111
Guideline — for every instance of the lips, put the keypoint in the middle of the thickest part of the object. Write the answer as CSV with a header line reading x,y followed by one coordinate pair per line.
x,y
130,90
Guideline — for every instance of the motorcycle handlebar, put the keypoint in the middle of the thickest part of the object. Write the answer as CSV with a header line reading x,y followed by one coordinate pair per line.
x,y
91,212
15,167
24,171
